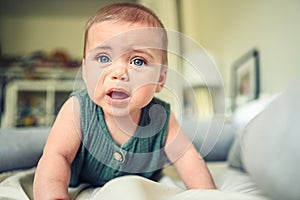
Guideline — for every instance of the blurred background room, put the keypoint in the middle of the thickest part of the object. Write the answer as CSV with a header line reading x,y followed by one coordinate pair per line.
x,y
41,44
228,59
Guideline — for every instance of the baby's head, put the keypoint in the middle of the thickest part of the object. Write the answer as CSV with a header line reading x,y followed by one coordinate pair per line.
x,y
125,58
129,13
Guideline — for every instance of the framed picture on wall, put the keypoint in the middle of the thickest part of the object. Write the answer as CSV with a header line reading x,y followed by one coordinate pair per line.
x,y
245,79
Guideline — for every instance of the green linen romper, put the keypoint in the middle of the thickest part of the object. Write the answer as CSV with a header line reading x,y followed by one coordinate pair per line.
x,y
99,159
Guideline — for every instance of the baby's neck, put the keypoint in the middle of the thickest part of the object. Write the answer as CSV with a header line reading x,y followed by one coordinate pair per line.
x,y
122,129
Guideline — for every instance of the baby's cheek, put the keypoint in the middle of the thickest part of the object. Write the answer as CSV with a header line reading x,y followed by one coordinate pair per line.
x,y
148,76
144,94
94,82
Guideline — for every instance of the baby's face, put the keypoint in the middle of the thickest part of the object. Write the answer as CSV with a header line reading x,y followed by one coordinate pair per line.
x,y
123,67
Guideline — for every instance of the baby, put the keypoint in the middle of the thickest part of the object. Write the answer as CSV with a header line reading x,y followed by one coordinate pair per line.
x,y
115,126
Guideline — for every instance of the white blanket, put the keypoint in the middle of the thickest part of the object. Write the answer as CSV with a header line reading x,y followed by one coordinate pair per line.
x,y
18,185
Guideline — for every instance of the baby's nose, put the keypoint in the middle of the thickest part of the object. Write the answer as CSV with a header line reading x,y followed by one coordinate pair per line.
x,y
120,73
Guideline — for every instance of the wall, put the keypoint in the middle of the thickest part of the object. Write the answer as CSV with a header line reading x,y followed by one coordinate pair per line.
x,y
228,29
21,35
45,25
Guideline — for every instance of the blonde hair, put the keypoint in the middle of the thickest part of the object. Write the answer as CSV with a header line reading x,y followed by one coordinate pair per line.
x,y
128,12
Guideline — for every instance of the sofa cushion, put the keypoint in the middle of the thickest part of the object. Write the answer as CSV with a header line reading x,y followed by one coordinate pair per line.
x,y
21,147
270,148
212,138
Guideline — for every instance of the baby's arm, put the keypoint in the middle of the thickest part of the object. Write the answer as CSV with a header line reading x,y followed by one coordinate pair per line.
x,y
53,171
188,162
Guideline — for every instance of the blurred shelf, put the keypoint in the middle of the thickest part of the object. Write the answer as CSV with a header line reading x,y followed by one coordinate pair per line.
x,y
34,97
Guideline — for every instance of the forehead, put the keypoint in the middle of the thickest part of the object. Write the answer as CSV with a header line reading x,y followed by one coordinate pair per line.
x,y
124,35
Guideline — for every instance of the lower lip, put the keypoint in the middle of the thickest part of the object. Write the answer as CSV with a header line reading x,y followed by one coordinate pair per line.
x,y
117,102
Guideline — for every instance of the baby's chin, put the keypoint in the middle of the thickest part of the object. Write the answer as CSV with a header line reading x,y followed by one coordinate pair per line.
x,y
124,111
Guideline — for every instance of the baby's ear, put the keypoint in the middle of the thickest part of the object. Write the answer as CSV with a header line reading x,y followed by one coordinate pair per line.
x,y
162,79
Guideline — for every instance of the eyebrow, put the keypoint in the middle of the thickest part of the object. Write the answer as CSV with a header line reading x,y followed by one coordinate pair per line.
x,y
139,49
101,48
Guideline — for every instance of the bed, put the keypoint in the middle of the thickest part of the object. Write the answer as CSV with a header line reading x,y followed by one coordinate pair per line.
x,y
18,185
256,156
21,148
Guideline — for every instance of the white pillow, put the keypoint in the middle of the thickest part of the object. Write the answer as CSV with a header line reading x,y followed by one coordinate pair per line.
x,y
270,147
242,116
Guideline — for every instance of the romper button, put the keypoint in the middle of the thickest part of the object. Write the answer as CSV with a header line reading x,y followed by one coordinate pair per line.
x,y
118,156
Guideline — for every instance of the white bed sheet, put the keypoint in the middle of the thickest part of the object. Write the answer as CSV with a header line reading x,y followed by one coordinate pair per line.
x,y
231,185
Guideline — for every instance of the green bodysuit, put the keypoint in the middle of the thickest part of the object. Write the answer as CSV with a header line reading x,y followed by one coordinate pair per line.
x,y
99,159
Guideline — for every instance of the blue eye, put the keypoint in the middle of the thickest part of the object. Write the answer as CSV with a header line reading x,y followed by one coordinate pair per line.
x,y
138,62
103,59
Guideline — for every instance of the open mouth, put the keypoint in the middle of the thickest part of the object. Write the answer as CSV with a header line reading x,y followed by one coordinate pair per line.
x,y
118,95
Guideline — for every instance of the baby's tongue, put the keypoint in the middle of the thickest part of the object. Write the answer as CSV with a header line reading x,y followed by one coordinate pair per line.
x,y
118,95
